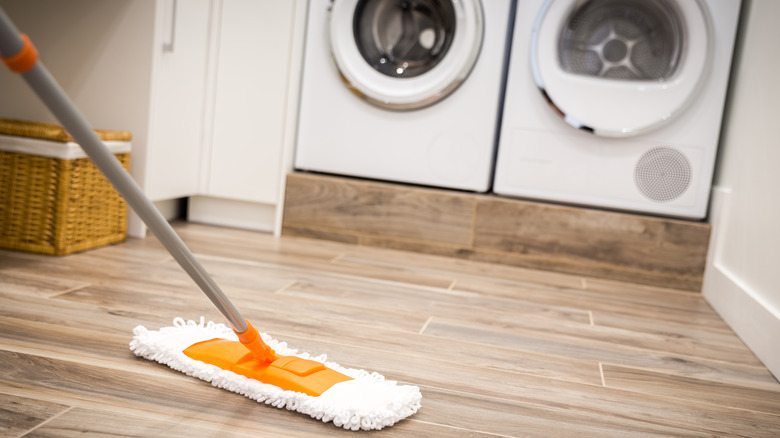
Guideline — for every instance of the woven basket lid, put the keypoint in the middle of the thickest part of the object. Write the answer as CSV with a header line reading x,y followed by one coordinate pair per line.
x,y
52,132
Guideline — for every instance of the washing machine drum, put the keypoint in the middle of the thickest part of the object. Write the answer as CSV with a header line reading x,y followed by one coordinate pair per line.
x,y
405,54
620,67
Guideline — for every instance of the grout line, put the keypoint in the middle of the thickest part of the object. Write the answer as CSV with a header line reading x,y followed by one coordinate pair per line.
x,y
47,421
530,263
238,261
590,316
381,237
681,398
69,290
601,371
282,289
460,428
452,285
473,231
425,326
165,259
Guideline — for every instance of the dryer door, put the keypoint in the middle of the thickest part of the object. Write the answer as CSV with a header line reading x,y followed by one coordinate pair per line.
x,y
620,67
405,54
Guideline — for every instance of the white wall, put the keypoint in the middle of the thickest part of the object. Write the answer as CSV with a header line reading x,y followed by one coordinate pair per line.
x,y
100,54
742,280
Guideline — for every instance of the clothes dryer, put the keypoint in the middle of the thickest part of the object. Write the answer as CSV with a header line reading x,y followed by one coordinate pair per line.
x,y
616,103
403,90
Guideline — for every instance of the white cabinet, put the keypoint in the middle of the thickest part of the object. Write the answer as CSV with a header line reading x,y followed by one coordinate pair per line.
x,y
178,98
253,71
255,96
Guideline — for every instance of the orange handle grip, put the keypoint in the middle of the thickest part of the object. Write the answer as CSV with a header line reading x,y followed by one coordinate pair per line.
x,y
251,340
23,61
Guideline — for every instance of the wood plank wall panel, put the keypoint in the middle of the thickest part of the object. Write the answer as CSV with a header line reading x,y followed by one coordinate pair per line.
x,y
604,244
378,209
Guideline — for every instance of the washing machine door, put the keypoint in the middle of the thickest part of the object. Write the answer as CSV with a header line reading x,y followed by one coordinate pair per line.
x,y
405,54
620,67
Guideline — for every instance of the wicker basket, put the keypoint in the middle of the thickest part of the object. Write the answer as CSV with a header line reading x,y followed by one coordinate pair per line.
x,y
53,200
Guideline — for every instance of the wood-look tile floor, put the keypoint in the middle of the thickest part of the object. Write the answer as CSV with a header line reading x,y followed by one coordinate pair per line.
x,y
496,350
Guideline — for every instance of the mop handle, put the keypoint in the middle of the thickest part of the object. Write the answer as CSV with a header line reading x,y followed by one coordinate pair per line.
x,y
21,57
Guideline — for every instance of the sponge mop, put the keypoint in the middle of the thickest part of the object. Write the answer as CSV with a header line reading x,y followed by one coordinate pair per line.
x,y
241,360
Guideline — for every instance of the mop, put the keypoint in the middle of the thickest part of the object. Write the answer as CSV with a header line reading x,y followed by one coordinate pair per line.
x,y
238,358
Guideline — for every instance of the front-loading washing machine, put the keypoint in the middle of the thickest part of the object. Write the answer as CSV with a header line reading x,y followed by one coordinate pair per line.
x,y
616,103
403,90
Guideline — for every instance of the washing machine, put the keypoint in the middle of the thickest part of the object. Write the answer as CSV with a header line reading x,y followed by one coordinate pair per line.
x,y
403,90
616,103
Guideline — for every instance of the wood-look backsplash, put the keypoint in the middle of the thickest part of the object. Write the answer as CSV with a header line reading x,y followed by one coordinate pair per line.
x,y
603,244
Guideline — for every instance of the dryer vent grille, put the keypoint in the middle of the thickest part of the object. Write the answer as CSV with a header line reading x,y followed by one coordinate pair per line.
x,y
662,174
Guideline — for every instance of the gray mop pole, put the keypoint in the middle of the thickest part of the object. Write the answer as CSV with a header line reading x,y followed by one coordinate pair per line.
x,y
49,91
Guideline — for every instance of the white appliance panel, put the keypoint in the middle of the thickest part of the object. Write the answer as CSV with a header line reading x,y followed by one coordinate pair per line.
x,y
541,156
450,143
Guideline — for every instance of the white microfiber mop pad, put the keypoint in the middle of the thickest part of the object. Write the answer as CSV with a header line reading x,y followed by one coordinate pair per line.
x,y
367,402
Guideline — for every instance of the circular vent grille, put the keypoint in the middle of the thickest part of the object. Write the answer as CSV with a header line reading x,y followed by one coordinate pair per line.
x,y
662,174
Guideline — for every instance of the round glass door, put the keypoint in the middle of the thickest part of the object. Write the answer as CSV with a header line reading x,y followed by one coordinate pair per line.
x,y
623,39
405,54
404,39
620,67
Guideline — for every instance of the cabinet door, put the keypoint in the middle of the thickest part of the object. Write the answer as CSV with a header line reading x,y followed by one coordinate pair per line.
x,y
255,50
179,84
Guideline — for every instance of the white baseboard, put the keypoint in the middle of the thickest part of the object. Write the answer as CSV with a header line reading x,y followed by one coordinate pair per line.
x,y
741,308
231,213
135,226
755,324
